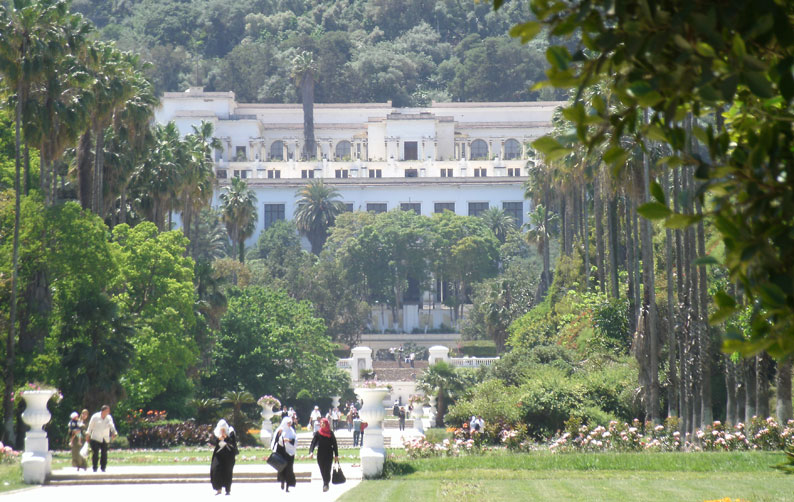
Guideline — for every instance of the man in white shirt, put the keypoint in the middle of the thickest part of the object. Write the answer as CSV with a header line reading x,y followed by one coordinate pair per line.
x,y
101,431
314,419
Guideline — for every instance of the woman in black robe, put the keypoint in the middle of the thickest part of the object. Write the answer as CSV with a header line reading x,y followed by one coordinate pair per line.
x,y
221,469
327,450
284,441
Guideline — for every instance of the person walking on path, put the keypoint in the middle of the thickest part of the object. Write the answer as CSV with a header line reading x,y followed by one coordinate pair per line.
x,y
402,418
284,444
76,439
411,358
327,451
349,418
101,431
223,456
356,429
314,419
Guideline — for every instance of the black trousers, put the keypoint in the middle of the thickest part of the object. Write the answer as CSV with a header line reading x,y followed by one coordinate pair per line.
x,y
96,448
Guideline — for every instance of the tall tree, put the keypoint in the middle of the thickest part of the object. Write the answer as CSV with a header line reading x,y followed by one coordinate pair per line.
x,y
499,222
303,70
318,206
238,205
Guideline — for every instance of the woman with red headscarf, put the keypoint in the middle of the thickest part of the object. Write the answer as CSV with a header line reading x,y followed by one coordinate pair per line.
x,y
327,451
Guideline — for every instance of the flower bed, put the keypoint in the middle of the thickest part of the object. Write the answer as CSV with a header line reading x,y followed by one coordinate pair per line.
x,y
8,455
167,435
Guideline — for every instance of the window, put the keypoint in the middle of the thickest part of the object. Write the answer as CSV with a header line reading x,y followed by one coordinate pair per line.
x,y
479,149
416,207
341,173
411,173
440,207
242,173
512,150
480,172
514,171
376,207
273,213
307,173
277,150
446,173
221,174
273,173
240,155
348,207
516,211
343,150
411,151
375,173
475,208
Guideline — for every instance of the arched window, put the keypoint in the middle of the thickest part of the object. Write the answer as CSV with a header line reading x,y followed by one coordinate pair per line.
x,y
479,149
512,149
343,150
277,150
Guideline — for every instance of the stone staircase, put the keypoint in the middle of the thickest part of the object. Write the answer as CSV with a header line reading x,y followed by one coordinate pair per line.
x,y
342,441
390,371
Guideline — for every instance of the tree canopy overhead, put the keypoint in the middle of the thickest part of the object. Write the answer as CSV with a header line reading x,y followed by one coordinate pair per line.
x,y
722,70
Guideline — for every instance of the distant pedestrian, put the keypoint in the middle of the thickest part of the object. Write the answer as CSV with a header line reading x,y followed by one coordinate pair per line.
x,y
349,419
396,409
356,430
335,416
284,412
101,432
412,357
314,419
284,444
223,457
327,450
77,428
402,418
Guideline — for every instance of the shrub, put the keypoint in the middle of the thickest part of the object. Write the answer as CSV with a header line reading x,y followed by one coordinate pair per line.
x,y
186,433
547,399
492,400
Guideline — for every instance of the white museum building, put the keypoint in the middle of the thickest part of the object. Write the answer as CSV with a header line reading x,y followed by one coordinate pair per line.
x,y
462,157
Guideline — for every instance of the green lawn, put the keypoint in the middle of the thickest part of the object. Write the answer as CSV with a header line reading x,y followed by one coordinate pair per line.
x,y
608,477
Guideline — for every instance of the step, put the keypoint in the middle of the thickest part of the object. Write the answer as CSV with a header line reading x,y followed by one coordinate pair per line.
x,y
164,478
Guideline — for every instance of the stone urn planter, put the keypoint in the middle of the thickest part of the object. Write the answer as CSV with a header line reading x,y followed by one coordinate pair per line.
x,y
416,414
37,459
373,453
266,432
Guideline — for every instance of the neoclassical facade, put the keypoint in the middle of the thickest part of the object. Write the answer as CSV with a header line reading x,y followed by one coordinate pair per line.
x,y
463,157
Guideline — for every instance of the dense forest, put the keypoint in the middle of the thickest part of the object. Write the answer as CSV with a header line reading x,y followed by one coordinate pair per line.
x,y
409,52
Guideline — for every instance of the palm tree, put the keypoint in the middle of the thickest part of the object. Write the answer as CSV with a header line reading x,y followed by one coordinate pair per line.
x,y
317,210
499,222
539,234
236,400
303,70
199,181
238,206
442,380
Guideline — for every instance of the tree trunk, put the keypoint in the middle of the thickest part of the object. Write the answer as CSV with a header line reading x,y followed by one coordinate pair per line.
x,y
672,398
705,333
598,210
99,166
84,177
763,367
26,165
741,386
612,217
649,292
564,225
631,257
750,389
307,97
586,234
730,394
783,382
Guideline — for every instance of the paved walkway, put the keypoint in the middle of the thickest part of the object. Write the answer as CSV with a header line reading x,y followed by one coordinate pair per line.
x,y
189,492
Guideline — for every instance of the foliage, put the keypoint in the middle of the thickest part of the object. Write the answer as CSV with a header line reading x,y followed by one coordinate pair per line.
x,y
187,433
271,344
723,62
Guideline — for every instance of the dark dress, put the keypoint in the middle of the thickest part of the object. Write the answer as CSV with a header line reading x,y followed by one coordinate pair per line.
x,y
326,451
222,465
287,475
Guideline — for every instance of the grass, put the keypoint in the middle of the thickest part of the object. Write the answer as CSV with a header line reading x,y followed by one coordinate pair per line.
x,y
612,477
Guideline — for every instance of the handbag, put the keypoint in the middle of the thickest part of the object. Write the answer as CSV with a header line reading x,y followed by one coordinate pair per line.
x,y
337,476
84,450
277,462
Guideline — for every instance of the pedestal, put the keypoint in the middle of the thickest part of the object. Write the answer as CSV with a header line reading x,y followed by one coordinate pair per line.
x,y
417,413
373,452
266,433
37,459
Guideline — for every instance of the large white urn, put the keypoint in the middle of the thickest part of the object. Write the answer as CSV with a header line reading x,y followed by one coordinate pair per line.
x,y
37,459
416,414
373,453
266,432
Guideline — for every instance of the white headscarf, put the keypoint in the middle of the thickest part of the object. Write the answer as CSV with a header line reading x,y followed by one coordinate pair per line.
x,y
223,426
287,432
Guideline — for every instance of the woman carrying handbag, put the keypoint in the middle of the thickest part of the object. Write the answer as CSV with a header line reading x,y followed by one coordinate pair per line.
x,y
327,451
284,445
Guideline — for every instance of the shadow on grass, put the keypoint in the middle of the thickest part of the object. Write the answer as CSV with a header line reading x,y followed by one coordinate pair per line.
x,y
393,468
